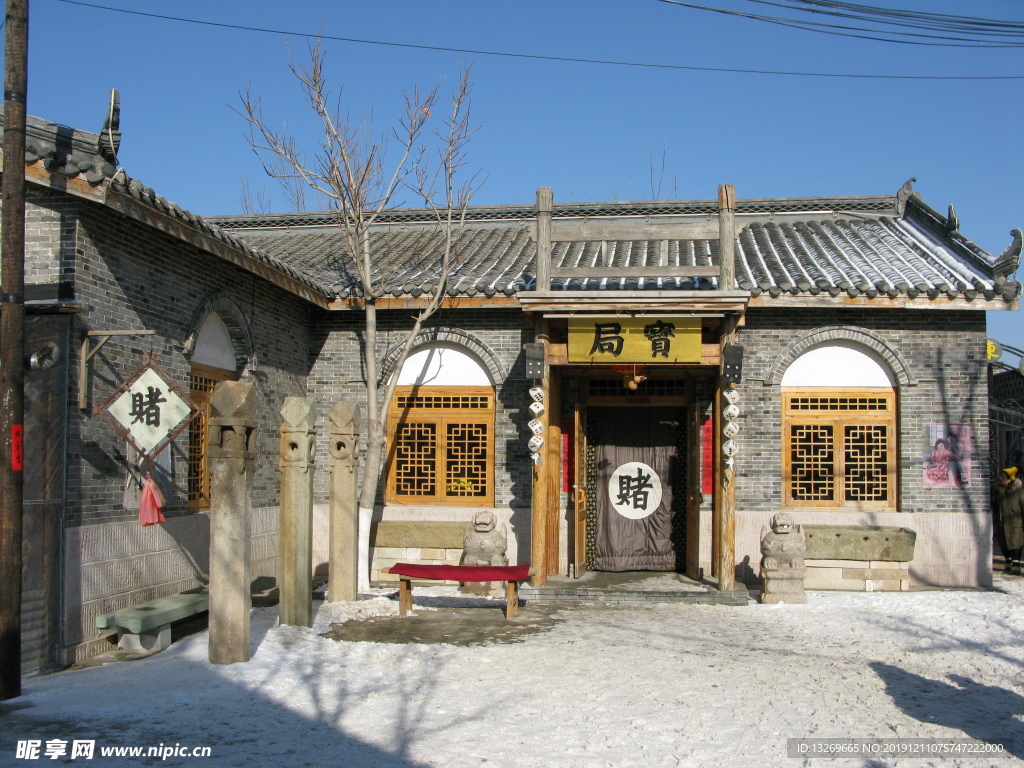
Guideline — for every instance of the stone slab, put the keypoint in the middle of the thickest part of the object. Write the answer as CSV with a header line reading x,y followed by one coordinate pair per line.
x,y
142,618
903,566
420,534
860,542
820,563
883,574
158,639
847,585
831,574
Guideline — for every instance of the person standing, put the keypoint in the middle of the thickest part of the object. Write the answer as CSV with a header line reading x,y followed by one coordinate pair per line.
x,y
1010,493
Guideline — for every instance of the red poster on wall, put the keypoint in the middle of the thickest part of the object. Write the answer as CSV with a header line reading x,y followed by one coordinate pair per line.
x,y
707,448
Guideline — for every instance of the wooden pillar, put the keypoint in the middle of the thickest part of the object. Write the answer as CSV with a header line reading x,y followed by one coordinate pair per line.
x,y
297,448
553,459
12,348
538,526
726,236
716,480
725,492
545,203
694,495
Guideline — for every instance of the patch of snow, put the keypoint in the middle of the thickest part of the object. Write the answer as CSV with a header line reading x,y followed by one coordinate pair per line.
x,y
647,686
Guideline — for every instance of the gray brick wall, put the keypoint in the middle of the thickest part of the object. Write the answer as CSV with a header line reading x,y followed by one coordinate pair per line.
x,y
945,352
130,276
337,373
51,229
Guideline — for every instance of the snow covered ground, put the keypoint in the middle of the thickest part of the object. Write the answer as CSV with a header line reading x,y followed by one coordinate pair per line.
x,y
664,685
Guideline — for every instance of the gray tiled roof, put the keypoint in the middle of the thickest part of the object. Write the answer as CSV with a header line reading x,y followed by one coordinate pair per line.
x,y
69,151
868,245
134,188
90,156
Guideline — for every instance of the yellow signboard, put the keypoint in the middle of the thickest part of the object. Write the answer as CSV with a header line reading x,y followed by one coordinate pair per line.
x,y
650,340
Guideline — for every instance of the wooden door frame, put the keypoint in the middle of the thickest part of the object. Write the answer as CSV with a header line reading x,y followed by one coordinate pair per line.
x,y
580,500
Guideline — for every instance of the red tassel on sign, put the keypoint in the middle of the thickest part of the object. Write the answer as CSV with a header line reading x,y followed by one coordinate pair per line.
x,y
151,503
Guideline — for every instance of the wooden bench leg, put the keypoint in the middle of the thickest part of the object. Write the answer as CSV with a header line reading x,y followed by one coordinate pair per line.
x,y
511,599
404,596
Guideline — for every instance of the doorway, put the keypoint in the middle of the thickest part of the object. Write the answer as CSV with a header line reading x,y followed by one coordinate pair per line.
x,y
636,477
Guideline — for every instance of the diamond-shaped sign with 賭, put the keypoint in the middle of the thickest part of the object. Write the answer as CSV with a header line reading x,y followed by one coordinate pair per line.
x,y
149,409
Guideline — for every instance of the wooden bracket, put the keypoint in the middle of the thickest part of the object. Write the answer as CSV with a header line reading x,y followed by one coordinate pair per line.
x,y
87,354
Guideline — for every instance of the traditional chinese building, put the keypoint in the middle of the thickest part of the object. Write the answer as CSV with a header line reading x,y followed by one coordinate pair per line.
x,y
628,386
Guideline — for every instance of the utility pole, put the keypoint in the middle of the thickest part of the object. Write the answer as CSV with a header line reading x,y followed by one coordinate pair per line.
x,y
12,345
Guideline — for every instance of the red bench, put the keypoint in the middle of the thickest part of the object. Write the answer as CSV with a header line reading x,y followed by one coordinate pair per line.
x,y
510,574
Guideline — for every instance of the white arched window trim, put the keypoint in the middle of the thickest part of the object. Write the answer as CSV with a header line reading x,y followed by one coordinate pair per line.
x,y
839,430
442,364
839,364
441,427
213,344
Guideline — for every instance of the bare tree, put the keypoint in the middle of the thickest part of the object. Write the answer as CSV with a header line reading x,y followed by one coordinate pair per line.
x,y
254,200
357,174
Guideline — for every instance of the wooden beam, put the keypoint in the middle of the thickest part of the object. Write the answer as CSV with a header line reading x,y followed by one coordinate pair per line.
x,y
87,354
545,203
569,302
624,230
727,236
450,302
77,186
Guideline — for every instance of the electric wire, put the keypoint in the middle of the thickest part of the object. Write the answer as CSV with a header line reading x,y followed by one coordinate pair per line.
x,y
969,28
542,57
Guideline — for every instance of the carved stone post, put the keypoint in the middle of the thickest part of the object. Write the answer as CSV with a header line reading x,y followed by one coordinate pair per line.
x,y
344,451
230,456
297,449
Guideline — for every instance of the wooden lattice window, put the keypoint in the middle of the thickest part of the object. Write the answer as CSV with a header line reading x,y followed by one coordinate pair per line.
x,y
839,447
441,446
203,379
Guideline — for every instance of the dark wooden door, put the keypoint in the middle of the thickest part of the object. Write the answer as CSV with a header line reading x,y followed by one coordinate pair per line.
x,y
636,470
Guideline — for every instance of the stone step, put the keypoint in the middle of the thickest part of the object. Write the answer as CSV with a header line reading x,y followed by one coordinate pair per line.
x,y
583,596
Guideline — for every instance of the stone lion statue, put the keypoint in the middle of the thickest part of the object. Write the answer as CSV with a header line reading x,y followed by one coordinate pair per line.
x,y
485,543
782,564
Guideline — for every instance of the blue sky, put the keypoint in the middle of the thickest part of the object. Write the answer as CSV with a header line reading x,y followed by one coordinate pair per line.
x,y
587,130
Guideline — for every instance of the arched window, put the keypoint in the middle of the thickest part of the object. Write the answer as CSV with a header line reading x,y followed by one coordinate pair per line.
x,y
441,419
213,361
839,429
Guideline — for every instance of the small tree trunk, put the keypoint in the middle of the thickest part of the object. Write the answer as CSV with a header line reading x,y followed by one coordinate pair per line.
x,y
374,440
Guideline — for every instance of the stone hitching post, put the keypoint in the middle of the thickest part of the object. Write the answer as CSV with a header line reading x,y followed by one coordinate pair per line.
x,y
782,566
297,449
344,533
230,455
